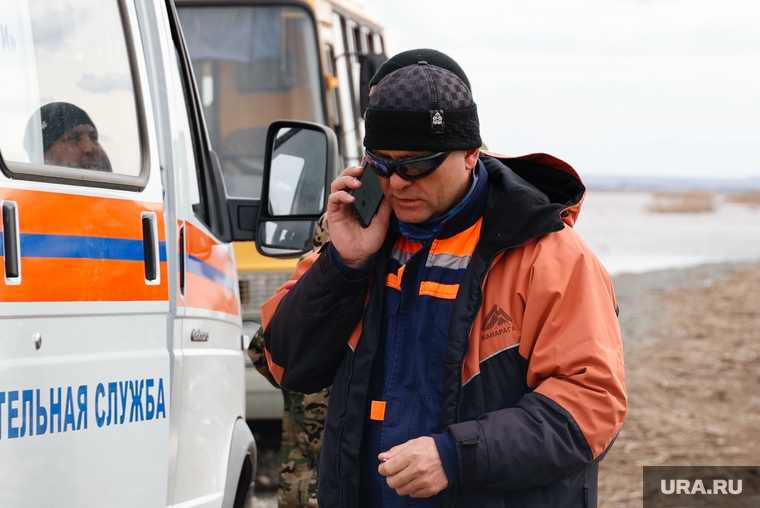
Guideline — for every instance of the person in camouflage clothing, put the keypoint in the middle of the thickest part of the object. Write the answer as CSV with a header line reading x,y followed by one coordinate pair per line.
x,y
303,421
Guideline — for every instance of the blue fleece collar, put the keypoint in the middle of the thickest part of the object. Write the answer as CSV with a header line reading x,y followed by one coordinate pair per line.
x,y
456,220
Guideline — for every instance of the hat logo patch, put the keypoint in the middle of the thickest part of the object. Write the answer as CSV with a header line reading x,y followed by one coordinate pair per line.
x,y
436,121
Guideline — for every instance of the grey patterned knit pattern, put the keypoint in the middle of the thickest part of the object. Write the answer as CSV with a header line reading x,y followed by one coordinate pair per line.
x,y
420,88
422,107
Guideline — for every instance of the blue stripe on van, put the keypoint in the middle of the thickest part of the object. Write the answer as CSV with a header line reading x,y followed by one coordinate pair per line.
x,y
202,269
85,247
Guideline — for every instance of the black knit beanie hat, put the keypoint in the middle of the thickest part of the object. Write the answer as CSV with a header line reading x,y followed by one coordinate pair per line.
x,y
56,119
422,107
412,56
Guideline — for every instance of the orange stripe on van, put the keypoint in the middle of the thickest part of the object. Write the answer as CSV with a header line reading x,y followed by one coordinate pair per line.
x,y
205,248
81,280
83,248
69,214
203,293
210,274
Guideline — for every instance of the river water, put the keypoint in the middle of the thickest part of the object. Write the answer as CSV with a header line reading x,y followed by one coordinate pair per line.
x,y
629,238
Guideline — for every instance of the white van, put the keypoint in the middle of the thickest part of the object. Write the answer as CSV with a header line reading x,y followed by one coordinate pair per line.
x,y
121,347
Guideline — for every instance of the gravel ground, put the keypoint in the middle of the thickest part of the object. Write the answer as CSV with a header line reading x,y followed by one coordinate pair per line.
x,y
693,374
641,296
267,435
692,371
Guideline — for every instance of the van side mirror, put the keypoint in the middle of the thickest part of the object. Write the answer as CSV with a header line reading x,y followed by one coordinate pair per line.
x,y
299,165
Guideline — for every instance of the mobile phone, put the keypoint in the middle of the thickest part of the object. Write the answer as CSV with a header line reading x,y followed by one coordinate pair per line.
x,y
368,196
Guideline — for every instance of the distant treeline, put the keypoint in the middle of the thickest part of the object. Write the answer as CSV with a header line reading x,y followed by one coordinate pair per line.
x,y
654,184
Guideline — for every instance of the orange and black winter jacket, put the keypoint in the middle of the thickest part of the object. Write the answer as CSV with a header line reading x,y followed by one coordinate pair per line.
x,y
534,390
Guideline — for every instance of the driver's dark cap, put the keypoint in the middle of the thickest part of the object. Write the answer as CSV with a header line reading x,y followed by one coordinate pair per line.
x,y
56,119
422,107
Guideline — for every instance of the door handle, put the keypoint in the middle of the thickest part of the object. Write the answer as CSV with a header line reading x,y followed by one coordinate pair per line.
x,y
182,260
11,251
150,247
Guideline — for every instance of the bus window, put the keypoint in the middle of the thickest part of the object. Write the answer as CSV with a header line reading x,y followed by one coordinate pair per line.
x,y
377,43
330,58
356,32
335,100
348,103
366,45
253,65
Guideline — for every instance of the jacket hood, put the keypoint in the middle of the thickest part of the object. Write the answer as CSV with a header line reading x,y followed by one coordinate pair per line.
x,y
528,197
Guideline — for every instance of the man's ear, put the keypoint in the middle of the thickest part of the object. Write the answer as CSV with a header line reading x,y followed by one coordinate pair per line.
x,y
471,158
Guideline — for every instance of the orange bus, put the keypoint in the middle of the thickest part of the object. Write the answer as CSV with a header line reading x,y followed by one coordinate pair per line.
x,y
260,61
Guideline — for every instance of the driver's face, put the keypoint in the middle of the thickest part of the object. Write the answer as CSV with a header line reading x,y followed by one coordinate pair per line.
x,y
79,148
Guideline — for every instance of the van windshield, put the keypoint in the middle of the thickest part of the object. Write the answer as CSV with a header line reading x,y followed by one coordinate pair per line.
x,y
253,65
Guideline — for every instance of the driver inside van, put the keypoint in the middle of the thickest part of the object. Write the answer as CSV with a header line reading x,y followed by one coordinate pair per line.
x,y
69,138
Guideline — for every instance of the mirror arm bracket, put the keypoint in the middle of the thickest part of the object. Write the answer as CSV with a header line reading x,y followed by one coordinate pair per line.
x,y
244,216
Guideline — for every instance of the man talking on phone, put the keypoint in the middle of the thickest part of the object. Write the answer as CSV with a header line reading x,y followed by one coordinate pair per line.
x,y
469,334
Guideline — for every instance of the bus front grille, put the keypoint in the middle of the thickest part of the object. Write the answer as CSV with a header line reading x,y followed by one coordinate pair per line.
x,y
256,288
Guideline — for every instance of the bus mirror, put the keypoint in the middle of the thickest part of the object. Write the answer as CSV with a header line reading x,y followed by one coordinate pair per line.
x,y
299,165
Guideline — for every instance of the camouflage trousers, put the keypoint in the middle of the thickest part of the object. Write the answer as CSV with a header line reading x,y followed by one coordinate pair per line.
x,y
303,423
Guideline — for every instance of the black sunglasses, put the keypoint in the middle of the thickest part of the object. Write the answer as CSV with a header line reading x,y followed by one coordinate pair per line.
x,y
408,168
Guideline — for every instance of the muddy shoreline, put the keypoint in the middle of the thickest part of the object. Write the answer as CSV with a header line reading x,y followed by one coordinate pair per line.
x,y
641,296
692,353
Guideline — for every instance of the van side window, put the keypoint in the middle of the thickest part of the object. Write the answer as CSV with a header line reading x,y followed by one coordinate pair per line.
x,y
195,159
73,102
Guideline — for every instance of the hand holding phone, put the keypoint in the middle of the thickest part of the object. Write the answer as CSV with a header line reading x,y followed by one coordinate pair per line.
x,y
368,196
349,217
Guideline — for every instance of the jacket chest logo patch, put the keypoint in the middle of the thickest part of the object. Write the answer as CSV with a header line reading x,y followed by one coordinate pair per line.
x,y
497,322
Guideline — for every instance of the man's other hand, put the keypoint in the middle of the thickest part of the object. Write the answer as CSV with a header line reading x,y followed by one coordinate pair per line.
x,y
414,468
354,244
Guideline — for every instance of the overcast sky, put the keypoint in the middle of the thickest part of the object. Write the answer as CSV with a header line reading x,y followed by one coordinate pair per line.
x,y
614,87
